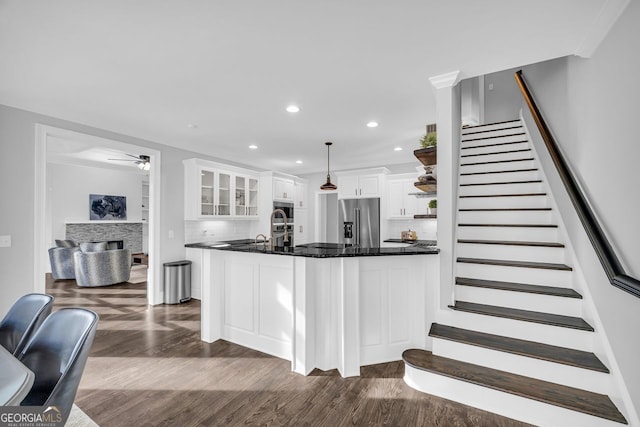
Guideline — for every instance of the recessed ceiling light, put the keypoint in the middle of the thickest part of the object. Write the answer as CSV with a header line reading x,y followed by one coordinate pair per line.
x,y
192,126
397,149
293,108
372,124
253,146
299,162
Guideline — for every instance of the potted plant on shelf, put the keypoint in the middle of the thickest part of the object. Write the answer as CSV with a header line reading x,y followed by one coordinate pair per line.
x,y
433,207
428,153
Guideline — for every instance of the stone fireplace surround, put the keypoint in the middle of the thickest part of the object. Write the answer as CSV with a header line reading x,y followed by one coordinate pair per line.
x,y
97,231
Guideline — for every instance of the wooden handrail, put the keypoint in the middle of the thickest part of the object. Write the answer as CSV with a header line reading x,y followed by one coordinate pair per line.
x,y
613,268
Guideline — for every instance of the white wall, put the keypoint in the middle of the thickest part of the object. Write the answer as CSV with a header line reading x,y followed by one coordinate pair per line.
x,y
591,107
501,97
69,187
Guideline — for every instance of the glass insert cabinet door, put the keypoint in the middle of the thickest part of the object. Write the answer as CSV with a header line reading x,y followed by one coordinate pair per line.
x,y
223,206
252,203
206,193
241,196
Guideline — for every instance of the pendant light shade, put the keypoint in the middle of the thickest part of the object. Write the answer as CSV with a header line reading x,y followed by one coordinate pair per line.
x,y
328,185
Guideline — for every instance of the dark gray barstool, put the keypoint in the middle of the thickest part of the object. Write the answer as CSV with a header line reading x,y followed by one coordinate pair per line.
x,y
57,354
22,320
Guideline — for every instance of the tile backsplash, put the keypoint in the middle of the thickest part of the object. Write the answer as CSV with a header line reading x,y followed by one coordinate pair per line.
x,y
215,231
424,228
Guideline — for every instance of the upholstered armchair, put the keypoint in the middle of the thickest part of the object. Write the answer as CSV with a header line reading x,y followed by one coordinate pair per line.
x,y
103,267
61,259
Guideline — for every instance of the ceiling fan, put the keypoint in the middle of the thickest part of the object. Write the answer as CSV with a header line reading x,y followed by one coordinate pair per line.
x,y
143,162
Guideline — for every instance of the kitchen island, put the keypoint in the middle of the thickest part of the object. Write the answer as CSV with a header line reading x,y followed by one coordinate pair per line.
x,y
319,305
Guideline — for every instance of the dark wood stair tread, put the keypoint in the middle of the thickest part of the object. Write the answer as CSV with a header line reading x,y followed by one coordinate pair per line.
x,y
496,144
512,243
598,405
503,195
509,263
491,137
519,287
491,130
523,315
500,171
532,181
535,350
526,159
502,209
492,153
509,225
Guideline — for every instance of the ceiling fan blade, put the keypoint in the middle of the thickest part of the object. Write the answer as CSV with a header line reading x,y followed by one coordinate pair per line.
x,y
125,160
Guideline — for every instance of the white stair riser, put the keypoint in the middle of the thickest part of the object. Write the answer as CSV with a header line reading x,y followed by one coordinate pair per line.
x,y
483,149
505,217
520,300
466,167
571,376
508,233
491,127
481,139
497,156
499,177
511,252
523,188
536,276
498,402
503,129
538,332
503,202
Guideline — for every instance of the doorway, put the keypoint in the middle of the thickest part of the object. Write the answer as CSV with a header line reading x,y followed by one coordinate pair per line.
x,y
48,135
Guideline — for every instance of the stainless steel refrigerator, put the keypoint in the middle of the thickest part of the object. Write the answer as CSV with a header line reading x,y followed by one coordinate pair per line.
x,y
359,222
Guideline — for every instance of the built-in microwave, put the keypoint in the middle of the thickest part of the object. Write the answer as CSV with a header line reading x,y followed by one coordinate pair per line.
x,y
288,211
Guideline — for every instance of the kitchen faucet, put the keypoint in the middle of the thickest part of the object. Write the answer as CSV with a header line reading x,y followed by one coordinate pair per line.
x,y
274,233
264,239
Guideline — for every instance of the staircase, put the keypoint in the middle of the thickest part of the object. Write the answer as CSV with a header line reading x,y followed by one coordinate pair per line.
x,y
515,341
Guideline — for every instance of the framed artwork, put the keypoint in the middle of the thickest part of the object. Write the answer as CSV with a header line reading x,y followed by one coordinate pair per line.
x,y
107,208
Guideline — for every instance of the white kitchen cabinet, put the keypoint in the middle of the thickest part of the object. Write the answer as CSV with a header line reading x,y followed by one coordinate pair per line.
x,y
402,205
213,192
283,189
246,196
391,318
257,302
301,226
300,199
359,186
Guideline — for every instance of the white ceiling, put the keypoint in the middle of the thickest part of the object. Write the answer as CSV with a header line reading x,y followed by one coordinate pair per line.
x,y
148,68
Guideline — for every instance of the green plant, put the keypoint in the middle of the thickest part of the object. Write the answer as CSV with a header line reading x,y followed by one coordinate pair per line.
x,y
429,139
433,203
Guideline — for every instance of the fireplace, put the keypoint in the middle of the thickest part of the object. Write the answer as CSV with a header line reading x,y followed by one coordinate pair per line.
x,y
119,234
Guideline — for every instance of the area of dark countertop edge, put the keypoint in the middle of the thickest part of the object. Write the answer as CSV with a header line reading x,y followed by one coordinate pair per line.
x,y
308,250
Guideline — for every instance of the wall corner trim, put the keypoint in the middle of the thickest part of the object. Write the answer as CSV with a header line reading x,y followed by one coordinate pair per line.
x,y
445,80
597,32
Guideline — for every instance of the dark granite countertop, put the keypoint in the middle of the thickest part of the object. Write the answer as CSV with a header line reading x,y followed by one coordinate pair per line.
x,y
314,250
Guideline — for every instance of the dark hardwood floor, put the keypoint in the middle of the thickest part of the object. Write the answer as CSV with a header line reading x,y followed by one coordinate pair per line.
x,y
148,367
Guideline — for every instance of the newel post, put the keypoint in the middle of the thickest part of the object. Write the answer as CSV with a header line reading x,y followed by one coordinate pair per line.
x,y
448,121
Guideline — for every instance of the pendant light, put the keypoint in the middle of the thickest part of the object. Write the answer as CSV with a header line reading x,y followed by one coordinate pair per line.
x,y
328,185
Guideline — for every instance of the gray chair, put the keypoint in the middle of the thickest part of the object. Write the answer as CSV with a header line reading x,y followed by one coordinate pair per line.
x,y
57,355
62,263
23,320
102,268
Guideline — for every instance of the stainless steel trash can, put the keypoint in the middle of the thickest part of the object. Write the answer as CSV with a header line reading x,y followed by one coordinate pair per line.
x,y
177,282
